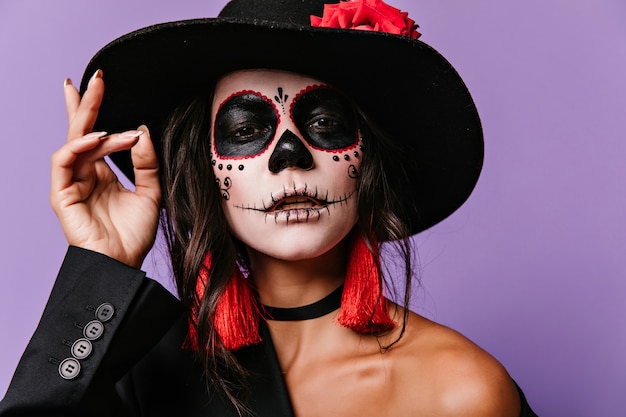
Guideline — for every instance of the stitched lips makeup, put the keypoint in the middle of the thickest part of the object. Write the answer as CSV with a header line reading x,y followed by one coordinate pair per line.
x,y
298,205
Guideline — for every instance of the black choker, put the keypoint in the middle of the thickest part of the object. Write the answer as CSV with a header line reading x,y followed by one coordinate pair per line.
x,y
312,311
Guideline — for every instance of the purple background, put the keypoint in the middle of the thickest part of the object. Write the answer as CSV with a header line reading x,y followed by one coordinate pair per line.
x,y
531,268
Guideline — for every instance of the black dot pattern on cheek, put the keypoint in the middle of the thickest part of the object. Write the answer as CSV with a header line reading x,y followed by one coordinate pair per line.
x,y
335,158
241,167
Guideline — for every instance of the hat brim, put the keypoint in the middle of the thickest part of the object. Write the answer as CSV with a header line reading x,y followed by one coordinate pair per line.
x,y
404,85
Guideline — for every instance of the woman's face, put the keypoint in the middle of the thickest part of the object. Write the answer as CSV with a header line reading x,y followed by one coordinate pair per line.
x,y
286,153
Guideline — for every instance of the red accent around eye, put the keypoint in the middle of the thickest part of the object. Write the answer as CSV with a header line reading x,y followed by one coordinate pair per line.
x,y
317,148
304,91
240,93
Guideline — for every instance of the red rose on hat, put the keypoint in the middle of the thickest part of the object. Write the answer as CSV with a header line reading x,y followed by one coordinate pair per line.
x,y
372,15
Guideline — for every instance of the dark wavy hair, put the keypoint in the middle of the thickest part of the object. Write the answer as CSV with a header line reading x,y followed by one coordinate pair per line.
x,y
194,223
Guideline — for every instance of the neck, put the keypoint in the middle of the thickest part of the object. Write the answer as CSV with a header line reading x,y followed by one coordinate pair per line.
x,y
287,284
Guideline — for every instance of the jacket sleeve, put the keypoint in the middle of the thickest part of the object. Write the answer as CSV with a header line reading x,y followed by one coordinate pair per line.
x,y
101,317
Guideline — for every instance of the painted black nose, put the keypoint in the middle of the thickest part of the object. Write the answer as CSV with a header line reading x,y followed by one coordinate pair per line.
x,y
290,152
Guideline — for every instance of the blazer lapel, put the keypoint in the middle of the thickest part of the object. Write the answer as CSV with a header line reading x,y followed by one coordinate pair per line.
x,y
268,390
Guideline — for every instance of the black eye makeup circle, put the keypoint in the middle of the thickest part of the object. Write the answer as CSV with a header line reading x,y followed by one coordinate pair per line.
x,y
245,125
325,118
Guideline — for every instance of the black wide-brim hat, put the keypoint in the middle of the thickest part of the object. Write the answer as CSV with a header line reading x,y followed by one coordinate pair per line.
x,y
402,84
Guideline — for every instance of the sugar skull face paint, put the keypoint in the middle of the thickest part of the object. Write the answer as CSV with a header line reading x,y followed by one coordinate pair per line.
x,y
287,167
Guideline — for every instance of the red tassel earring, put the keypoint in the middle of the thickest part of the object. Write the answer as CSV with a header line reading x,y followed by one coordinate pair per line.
x,y
236,317
363,306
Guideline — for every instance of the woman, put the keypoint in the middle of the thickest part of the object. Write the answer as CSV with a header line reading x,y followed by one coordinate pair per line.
x,y
283,161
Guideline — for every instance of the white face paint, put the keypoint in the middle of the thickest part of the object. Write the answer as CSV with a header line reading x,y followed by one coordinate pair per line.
x,y
286,154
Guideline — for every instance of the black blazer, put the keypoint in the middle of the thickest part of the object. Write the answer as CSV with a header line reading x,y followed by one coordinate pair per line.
x,y
109,343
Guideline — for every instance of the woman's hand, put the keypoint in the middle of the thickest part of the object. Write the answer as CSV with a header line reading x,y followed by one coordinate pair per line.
x,y
95,211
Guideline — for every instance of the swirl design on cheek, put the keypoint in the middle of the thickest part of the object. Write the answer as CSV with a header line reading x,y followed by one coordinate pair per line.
x,y
353,172
225,187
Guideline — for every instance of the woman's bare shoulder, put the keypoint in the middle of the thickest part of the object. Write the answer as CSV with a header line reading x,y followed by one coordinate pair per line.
x,y
449,374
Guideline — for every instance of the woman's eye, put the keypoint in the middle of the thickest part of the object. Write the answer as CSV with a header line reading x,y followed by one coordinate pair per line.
x,y
249,132
245,132
324,124
325,118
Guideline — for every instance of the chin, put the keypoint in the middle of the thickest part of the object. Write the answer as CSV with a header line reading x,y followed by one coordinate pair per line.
x,y
298,242
295,253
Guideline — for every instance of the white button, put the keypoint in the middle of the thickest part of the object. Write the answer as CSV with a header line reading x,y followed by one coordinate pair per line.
x,y
93,330
81,348
105,312
69,368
